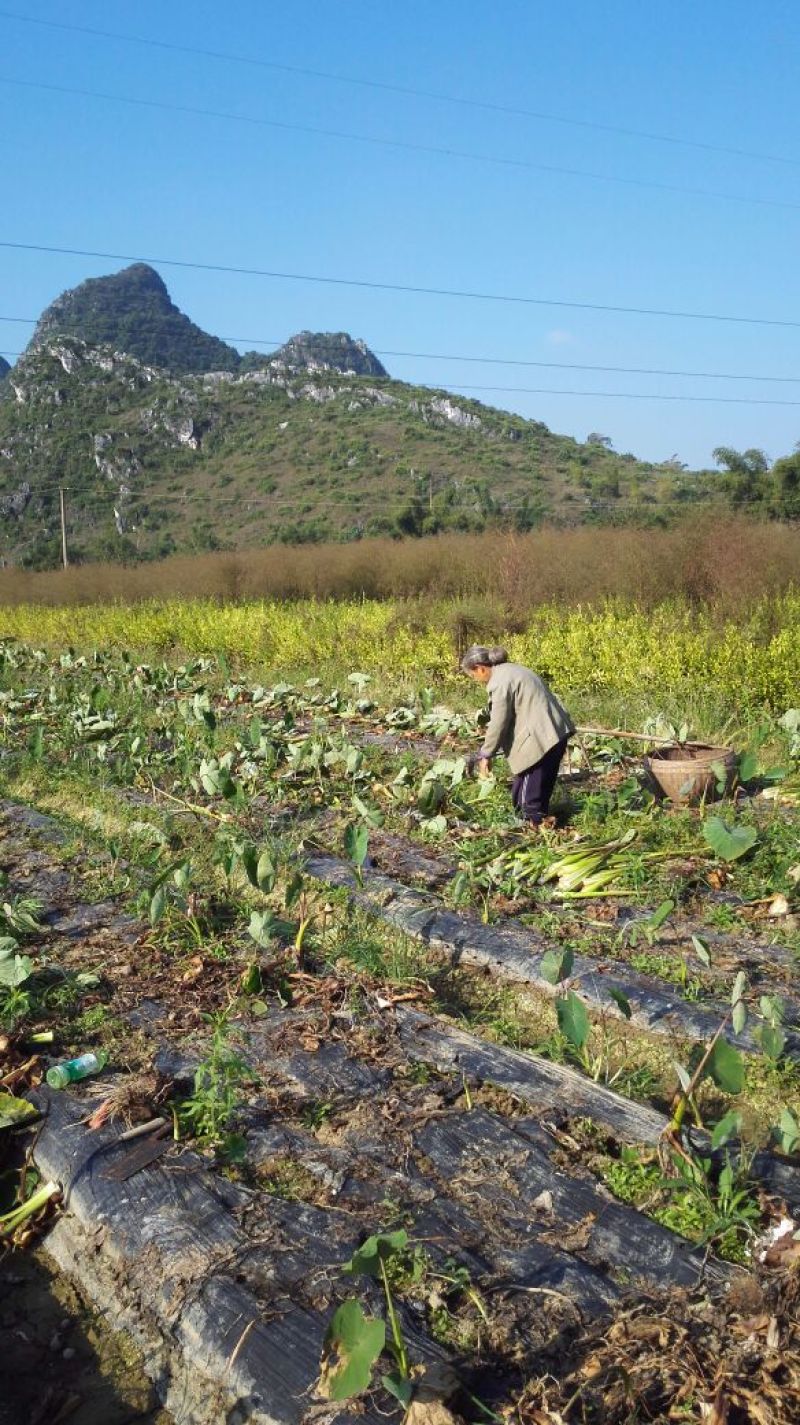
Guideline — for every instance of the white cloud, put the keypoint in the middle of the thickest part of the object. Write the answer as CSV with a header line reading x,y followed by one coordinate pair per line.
x,y
558,337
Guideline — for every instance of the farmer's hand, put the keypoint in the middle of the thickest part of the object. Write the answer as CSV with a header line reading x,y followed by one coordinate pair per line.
x,y
484,766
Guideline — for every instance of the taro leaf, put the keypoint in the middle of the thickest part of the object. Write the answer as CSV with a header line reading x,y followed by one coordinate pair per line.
x,y
788,1132
354,761
684,1077
729,842
622,1002
249,859
748,766
660,914
252,982
739,1016
721,775
459,887
210,777
370,815
182,876
353,1343
356,843
431,796
573,1021
776,774
556,965
158,904
434,826
772,1040
399,1386
366,1260
15,970
701,950
266,873
19,917
726,1067
294,890
728,1127
739,986
36,744
262,927
771,1007
14,1111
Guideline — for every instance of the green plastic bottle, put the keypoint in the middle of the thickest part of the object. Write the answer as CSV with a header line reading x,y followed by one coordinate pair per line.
x,y
73,1069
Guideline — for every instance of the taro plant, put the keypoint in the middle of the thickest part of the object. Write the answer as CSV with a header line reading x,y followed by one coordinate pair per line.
x,y
356,848
302,896
354,1342
591,1045
15,972
771,1034
172,890
719,1061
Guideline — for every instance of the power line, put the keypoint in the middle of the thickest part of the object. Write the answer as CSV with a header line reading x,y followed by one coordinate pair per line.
x,y
631,395
503,361
402,144
463,295
384,86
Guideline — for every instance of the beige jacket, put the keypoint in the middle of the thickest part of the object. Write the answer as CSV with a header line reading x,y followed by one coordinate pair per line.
x,y
526,718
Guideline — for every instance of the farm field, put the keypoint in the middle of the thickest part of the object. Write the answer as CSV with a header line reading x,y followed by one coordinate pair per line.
x,y
523,1088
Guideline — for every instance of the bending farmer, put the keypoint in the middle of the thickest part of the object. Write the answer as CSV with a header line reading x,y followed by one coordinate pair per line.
x,y
527,723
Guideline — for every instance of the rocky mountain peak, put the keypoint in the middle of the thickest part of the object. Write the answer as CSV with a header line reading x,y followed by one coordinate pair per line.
x,y
133,312
328,351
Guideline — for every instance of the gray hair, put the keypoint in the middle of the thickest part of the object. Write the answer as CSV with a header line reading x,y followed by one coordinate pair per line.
x,y
479,657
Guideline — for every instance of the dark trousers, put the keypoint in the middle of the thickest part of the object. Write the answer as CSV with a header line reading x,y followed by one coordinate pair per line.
x,y
532,789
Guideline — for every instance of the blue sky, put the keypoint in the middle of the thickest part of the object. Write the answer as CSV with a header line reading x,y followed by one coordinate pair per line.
x,y
86,173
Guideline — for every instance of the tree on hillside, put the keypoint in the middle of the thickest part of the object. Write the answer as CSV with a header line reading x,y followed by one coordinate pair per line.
x,y
785,502
745,470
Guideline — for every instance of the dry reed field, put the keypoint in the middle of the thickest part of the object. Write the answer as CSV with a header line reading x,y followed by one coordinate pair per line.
x,y
727,562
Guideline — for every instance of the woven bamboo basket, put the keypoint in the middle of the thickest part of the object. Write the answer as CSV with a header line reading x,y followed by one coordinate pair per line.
x,y
687,773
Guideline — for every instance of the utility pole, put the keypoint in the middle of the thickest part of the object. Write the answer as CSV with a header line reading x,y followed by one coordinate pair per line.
x,y
62,503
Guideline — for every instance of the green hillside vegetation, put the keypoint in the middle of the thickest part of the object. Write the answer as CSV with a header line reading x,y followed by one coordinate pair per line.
x,y
234,461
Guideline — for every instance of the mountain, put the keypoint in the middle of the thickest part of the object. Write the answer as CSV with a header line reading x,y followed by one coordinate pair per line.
x,y
320,351
156,463
132,311
4,367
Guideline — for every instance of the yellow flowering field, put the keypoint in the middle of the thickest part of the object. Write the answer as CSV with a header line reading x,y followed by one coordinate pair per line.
x,y
614,647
